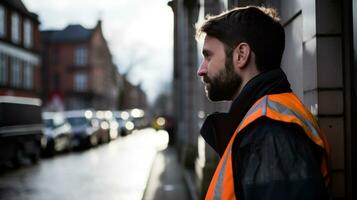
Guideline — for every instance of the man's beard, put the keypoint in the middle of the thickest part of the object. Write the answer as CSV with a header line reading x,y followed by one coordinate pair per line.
x,y
225,85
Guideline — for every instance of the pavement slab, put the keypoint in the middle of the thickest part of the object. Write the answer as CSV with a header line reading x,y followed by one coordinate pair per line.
x,y
166,180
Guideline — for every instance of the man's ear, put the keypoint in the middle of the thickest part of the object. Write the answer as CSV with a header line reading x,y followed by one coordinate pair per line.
x,y
241,55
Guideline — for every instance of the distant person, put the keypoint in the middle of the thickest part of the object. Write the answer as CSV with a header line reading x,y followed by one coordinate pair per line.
x,y
270,145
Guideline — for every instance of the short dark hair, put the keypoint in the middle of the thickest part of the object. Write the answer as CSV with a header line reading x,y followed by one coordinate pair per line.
x,y
257,26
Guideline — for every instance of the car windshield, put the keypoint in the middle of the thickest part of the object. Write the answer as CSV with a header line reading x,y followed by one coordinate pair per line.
x,y
48,123
77,121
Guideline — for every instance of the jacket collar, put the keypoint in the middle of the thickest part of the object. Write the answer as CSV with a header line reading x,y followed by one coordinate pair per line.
x,y
218,128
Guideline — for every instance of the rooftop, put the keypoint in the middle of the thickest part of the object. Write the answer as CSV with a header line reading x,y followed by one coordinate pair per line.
x,y
72,33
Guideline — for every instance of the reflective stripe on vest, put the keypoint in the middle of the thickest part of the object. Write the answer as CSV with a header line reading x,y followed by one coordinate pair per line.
x,y
285,107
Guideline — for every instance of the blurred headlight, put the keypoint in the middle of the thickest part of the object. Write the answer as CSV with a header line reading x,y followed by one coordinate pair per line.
x,y
108,114
161,121
104,125
129,125
124,115
136,113
201,114
88,114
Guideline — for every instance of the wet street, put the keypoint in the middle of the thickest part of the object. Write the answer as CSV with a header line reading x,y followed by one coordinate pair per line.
x,y
115,171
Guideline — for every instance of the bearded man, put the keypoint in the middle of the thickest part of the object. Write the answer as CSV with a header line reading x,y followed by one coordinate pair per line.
x,y
270,145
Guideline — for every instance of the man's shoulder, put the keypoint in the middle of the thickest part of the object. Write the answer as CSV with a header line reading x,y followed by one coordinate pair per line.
x,y
268,129
272,154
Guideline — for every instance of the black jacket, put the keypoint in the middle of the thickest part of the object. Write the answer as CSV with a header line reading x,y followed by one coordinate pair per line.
x,y
271,159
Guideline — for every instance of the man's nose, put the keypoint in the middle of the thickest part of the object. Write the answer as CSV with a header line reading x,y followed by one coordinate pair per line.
x,y
202,70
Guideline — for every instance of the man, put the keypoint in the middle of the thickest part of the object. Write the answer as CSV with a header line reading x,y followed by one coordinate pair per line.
x,y
270,145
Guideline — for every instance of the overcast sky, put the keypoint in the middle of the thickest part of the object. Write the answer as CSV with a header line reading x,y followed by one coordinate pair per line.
x,y
137,31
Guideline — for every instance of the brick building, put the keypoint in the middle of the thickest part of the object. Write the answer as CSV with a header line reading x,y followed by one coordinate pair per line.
x,y
320,61
20,68
78,69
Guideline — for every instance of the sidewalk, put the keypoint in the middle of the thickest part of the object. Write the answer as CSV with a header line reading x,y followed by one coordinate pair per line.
x,y
166,181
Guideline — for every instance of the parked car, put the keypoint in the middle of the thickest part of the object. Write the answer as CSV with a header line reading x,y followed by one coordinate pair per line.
x,y
104,118
20,129
58,133
137,116
85,128
114,130
125,124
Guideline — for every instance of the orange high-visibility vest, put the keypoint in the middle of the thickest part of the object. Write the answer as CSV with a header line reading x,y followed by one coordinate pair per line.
x,y
285,107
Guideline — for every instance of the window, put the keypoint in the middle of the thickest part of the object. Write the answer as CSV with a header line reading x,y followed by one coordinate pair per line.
x,y
28,41
28,76
80,56
3,69
80,82
15,73
2,21
15,28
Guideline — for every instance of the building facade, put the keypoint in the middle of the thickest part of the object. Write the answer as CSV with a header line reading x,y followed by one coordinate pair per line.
x,y
132,96
20,65
320,60
78,69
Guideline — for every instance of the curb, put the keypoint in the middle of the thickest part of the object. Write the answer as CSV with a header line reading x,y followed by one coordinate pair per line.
x,y
190,185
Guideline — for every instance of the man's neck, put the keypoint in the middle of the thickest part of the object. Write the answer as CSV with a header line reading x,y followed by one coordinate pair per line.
x,y
245,79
